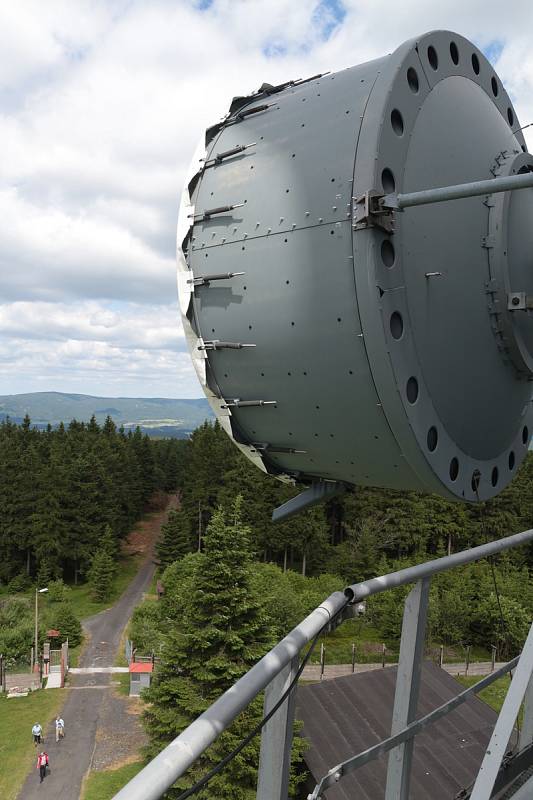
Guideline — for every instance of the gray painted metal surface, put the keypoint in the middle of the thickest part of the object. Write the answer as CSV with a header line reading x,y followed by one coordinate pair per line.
x,y
445,193
407,688
526,730
375,349
276,738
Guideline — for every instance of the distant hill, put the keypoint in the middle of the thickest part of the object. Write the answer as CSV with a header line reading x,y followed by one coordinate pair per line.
x,y
156,416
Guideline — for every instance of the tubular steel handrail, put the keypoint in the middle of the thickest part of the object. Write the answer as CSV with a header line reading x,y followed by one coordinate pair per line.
x,y
271,671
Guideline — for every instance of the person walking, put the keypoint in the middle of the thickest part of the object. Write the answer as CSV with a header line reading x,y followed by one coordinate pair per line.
x,y
42,763
60,728
37,732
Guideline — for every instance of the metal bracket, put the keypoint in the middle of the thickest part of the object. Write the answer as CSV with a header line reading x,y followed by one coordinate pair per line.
x,y
265,447
220,157
210,212
369,212
519,301
248,403
319,492
205,280
216,344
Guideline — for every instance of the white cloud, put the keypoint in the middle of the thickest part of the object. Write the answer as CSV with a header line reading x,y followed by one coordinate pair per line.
x,y
101,105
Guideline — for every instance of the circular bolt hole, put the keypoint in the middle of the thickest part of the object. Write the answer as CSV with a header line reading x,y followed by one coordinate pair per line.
x,y
525,434
494,476
387,252
454,469
454,53
396,122
511,460
510,116
494,84
412,80
432,438
412,390
396,325
387,181
475,63
433,58
476,477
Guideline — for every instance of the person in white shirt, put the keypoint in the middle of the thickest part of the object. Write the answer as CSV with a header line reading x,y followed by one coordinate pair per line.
x,y
37,733
60,728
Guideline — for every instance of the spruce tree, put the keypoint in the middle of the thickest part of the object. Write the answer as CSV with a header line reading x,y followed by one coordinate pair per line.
x,y
220,632
175,541
101,575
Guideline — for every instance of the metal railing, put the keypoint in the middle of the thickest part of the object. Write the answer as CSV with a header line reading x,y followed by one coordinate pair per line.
x,y
275,672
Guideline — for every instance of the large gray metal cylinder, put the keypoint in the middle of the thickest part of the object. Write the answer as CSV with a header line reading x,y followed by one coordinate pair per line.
x,y
387,352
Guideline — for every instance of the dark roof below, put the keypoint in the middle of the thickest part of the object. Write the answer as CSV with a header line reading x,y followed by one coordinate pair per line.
x,y
346,715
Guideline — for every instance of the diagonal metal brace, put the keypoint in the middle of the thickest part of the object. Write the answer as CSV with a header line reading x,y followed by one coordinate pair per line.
x,y
319,492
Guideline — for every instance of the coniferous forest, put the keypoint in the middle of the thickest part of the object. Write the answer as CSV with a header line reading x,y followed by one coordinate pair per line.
x,y
63,491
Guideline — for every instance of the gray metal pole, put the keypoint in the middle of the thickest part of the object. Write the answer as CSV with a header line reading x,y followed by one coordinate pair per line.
x,y
526,731
458,191
407,688
358,591
276,738
488,772
152,781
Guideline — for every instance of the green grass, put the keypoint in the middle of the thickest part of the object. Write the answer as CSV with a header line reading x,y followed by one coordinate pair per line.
x,y
368,641
123,681
17,753
104,785
81,600
493,695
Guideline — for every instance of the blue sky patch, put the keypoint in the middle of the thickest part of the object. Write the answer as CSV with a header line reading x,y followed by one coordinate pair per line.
x,y
493,50
327,16
274,50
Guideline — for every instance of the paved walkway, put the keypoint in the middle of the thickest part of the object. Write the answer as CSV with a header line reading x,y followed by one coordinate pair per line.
x,y
312,671
91,711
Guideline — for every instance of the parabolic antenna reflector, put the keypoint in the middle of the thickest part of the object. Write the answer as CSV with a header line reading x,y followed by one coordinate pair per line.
x,y
338,334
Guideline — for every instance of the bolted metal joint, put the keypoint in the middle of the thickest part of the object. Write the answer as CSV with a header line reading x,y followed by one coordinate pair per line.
x,y
369,211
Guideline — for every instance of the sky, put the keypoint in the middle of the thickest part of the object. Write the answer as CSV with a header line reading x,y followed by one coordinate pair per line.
x,y
102,103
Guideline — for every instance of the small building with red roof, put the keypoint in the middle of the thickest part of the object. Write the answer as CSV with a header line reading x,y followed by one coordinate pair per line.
x,y
140,676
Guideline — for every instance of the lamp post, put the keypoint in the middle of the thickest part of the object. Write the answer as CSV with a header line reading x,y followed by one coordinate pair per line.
x,y
37,593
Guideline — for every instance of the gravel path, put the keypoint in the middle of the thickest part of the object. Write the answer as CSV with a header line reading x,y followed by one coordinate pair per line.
x,y
101,726
312,671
